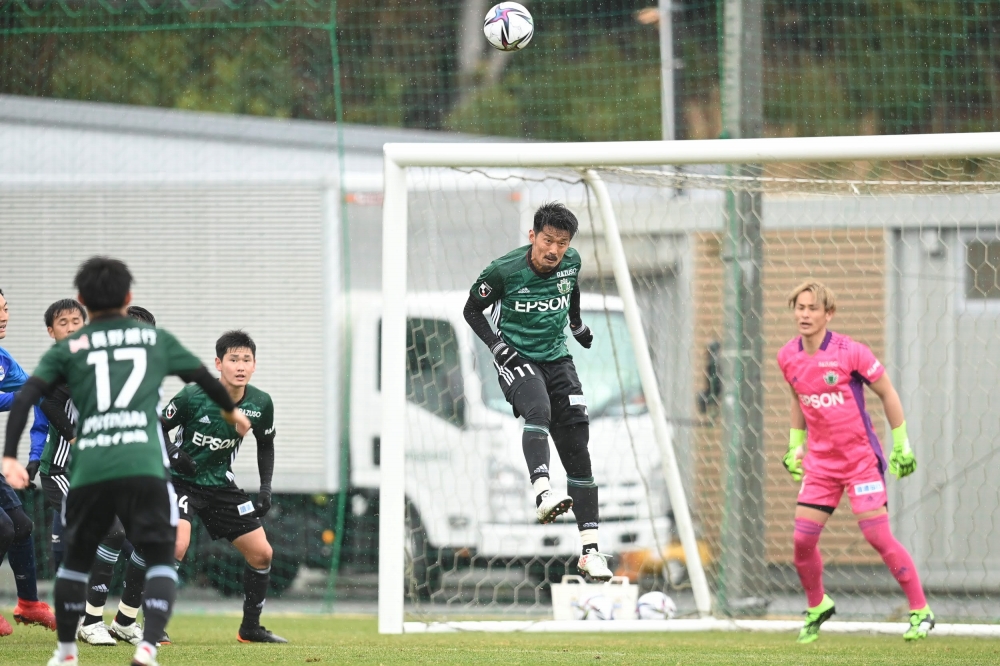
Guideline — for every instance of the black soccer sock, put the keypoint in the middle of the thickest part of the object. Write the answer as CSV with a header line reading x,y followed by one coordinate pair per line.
x,y
255,583
58,549
535,444
585,508
100,581
21,558
135,579
158,601
21,555
70,592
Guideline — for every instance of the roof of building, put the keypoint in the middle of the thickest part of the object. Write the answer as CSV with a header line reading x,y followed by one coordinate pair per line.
x,y
177,123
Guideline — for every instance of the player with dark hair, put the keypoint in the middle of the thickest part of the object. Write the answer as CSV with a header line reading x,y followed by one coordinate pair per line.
x,y
534,292
833,448
203,475
141,314
16,541
113,366
62,319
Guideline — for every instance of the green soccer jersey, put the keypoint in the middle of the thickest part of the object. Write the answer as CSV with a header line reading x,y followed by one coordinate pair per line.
x,y
114,367
207,438
531,311
55,446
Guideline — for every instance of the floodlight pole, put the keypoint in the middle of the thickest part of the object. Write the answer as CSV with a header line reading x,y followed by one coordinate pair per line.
x,y
668,131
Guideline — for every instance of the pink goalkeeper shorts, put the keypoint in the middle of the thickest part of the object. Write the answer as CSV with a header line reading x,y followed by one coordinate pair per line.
x,y
866,490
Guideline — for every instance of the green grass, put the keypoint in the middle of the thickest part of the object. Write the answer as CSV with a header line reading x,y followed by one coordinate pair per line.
x,y
210,639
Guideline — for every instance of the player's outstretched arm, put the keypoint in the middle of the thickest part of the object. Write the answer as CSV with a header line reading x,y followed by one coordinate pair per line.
x,y
27,397
792,459
902,462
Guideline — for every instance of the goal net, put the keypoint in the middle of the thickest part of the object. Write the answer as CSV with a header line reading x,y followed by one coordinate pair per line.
x,y
686,271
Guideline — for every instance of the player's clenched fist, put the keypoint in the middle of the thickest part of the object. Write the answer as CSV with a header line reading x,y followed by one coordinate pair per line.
x,y
15,473
239,420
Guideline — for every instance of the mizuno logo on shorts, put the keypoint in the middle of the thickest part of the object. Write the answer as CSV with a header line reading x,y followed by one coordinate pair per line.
x,y
869,488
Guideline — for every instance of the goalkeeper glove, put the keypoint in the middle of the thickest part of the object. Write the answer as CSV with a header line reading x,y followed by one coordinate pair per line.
x,y
583,335
263,503
792,461
902,462
505,355
183,464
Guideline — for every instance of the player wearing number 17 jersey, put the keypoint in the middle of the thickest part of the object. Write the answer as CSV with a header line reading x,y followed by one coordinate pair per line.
x,y
534,293
827,373
113,367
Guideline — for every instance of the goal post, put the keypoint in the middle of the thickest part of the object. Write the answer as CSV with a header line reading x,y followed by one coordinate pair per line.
x,y
619,264
412,167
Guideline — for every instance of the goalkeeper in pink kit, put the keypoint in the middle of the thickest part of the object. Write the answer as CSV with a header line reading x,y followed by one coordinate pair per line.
x,y
833,447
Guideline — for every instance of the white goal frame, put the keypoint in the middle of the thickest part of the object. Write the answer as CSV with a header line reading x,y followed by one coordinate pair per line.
x,y
582,156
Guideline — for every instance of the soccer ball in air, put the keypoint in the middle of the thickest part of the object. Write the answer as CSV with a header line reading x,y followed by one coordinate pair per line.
x,y
655,606
508,27
594,607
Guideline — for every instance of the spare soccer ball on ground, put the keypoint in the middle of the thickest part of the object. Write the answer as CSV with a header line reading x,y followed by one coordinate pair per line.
x,y
508,26
594,607
655,606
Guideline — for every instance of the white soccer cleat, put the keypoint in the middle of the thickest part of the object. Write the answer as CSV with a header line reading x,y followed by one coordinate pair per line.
x,y
65,661
94,634
553,506
143,657
130,634
595,566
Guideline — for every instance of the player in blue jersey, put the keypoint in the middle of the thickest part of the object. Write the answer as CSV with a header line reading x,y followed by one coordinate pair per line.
x,y
15,525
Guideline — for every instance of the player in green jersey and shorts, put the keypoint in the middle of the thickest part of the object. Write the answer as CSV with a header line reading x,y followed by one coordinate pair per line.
x,y
534,293
203,475
62,319
114,367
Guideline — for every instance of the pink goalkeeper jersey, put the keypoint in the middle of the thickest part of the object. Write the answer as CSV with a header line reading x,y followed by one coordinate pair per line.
x,y
831,389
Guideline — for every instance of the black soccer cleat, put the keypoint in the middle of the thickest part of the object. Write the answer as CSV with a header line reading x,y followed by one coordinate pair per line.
x,y
257,634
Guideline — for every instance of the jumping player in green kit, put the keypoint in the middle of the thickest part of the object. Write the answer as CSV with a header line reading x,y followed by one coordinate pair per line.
x,y
113,367
534,293
202,461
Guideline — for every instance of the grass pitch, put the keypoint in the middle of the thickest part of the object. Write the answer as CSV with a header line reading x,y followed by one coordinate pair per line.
x,y
211,639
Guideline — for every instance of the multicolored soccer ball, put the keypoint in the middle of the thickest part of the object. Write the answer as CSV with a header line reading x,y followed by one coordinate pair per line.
x,y
655,606
508,26
594,607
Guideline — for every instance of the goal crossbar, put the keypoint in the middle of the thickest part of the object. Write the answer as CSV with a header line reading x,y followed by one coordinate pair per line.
x,y
399,156
710,151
